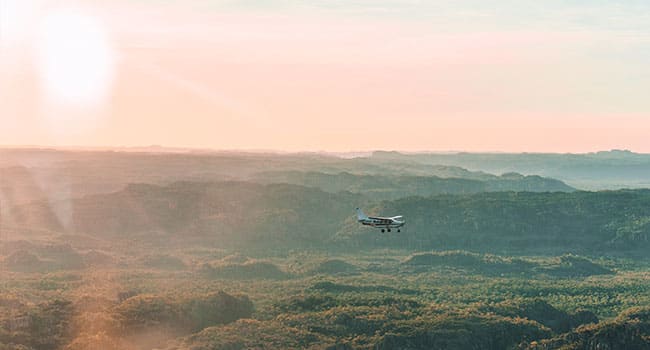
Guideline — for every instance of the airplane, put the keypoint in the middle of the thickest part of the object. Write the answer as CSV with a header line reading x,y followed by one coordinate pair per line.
x,y
383,222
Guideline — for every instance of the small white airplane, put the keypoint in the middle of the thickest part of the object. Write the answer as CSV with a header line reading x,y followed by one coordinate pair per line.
x,y
384,223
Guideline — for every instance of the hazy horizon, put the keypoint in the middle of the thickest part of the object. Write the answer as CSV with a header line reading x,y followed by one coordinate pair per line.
x,y
164,148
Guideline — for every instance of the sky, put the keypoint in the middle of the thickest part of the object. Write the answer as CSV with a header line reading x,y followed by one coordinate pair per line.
x,y
437,75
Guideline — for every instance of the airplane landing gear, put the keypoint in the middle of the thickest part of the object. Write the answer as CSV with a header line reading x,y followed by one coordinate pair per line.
x,y
398,230
382,230
388,230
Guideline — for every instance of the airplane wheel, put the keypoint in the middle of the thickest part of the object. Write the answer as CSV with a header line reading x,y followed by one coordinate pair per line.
x,y
388,230
382,230
399,230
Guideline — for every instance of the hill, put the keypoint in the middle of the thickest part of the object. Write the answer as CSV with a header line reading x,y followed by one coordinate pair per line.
x,y
48,174
599,170
227,213
582,222
380,187
285,216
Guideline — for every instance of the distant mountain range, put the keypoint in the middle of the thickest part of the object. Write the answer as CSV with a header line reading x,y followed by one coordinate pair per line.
x,y
42,174
600,170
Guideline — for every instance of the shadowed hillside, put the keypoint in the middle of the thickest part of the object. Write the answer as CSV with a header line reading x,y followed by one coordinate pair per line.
x,y
380,187
507,221
284,216
225,212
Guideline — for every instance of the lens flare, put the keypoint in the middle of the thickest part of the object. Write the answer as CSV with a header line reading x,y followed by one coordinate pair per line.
x,y
76,61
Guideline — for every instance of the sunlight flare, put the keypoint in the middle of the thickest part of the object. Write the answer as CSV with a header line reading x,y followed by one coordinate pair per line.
x,y
75,58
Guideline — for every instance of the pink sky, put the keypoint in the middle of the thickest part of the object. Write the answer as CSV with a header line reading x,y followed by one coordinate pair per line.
x,y
224,78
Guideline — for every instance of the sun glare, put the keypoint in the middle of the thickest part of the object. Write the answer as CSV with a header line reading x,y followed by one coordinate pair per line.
x,y
75,58
15,20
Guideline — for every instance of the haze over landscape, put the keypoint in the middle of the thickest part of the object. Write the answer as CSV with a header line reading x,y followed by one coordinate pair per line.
x,y
183,175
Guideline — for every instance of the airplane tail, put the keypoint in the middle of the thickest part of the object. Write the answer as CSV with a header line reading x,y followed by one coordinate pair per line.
x,y
361,215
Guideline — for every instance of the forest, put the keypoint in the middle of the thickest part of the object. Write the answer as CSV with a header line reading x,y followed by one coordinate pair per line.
x,y
197,250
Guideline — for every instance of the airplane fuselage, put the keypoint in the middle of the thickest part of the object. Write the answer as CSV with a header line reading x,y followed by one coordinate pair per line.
x,y
384,223
381,222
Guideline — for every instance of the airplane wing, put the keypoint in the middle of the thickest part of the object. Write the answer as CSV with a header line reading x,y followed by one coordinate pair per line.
x,y
386,218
